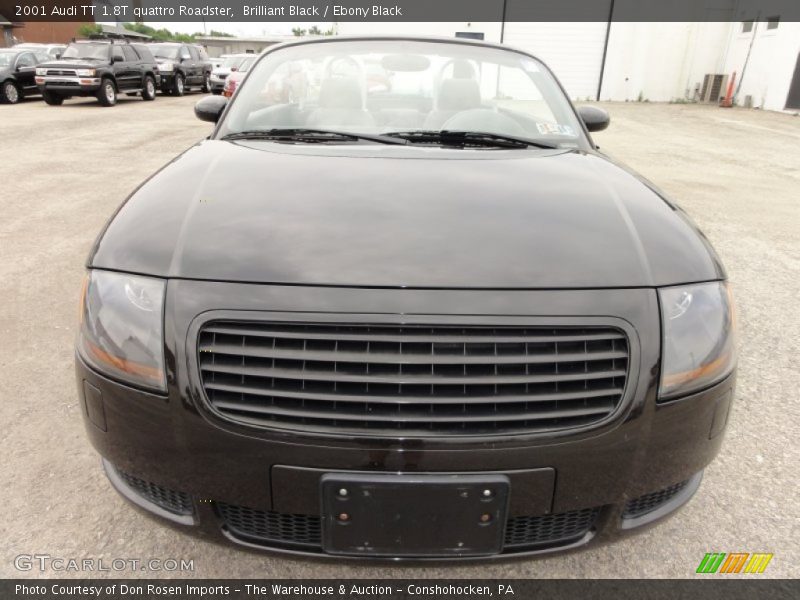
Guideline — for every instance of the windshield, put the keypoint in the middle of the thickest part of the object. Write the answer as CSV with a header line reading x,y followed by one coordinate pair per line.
x,y
387,86
164,51
90,51
232,61
246,64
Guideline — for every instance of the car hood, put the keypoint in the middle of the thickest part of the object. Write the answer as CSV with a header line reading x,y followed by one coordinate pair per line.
x,y
397,216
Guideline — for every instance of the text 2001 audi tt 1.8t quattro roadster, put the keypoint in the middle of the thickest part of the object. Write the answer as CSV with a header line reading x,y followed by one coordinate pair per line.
x,y
404,308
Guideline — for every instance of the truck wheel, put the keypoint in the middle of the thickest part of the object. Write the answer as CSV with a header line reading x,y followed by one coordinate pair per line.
x,y
178,85
53,99
107,94
149,89
9,93
206,83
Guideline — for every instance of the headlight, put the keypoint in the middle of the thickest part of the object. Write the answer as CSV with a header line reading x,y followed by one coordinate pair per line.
x,y
165,66
698,330
121,330
85,72
41,72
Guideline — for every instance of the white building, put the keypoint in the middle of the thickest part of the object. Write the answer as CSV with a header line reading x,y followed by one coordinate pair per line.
x,y
658,62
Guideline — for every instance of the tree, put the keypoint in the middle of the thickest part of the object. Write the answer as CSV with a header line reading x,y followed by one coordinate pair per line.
x,y
298,32
86,30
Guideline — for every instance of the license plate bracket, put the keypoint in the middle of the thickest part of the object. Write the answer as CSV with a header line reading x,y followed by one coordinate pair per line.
x,y
402,515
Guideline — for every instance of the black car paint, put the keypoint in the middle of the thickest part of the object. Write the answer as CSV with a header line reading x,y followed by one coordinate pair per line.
x,y
21,76
430,235
472,212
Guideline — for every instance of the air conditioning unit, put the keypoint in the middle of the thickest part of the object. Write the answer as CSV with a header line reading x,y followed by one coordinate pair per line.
x,y
713,88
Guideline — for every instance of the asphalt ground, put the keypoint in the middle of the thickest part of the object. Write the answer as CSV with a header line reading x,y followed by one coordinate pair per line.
x,y
65,169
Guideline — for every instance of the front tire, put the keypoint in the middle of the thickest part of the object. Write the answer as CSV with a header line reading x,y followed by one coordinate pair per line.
x,y
149,89
178,85
107,94
53,99
206,83
10,93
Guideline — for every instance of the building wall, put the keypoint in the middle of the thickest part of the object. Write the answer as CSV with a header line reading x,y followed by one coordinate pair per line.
x,y
47,32
769,70
661,62
216,48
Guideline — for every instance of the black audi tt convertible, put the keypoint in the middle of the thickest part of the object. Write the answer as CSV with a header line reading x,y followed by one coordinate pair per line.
x,y
399,305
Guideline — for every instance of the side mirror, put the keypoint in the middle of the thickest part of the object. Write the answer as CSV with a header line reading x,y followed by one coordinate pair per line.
x,y
210,108
595,119
58,55
234,69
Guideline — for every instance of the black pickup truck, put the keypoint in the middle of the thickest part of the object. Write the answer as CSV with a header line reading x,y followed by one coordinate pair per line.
x,y
101,68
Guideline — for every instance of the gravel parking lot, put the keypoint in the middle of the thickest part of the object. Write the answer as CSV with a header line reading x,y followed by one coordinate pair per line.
x,y
65,169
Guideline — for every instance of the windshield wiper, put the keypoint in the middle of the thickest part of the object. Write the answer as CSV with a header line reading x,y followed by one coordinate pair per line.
x,y
299,134
463,139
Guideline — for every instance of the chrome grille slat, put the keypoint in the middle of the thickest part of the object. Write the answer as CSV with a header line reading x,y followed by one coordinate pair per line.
x,y
411,417
412,379
374,357
410,337
309,375
398,399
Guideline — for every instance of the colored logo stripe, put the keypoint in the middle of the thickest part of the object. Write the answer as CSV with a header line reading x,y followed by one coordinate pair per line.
x,y
757,563
711,562
735,562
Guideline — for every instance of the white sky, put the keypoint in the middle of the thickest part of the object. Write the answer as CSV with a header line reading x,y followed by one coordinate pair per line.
x,y
260,29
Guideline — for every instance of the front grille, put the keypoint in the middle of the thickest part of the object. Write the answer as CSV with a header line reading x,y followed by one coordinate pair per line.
x,y
270,526
414,380
549,529
176,502
62,72
650,502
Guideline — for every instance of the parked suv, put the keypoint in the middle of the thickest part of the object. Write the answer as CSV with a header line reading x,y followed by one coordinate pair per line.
x,y
100,68
182,66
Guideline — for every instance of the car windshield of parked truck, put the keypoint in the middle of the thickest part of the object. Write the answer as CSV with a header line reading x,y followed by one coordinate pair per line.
x,y
232,61
6,58
164,51
87,51
405,87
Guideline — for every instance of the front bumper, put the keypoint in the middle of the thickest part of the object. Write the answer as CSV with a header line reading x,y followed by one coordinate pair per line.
x,y
260,489
68,85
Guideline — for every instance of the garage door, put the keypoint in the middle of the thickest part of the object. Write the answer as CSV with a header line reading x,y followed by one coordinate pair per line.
x,y
574,51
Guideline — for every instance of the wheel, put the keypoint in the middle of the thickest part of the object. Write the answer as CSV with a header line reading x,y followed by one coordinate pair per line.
x,y
10,93
206,83
149,89
53,99
178,85
107,94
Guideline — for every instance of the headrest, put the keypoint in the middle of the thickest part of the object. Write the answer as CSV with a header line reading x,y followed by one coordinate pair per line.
x,y
340,92
459,94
